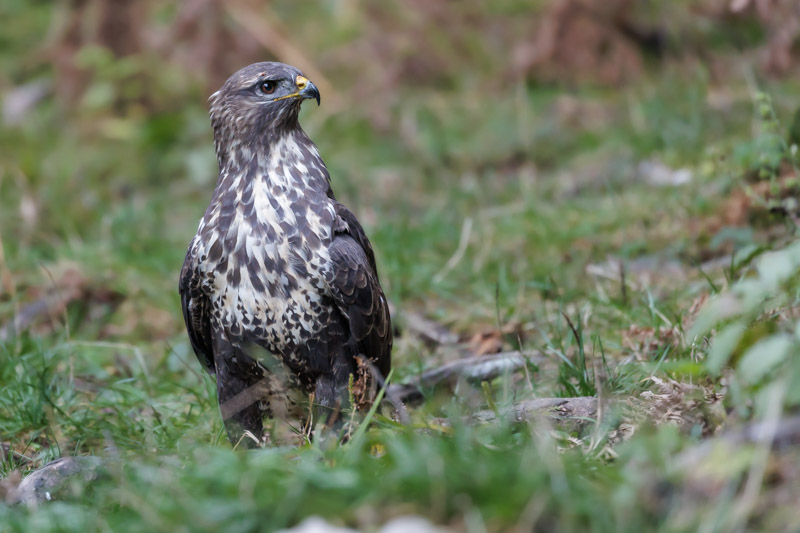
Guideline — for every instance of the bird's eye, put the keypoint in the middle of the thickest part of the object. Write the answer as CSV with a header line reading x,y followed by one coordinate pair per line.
x,y
268,87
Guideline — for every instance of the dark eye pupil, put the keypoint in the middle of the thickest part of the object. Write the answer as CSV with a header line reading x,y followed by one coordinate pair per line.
x,y
268,87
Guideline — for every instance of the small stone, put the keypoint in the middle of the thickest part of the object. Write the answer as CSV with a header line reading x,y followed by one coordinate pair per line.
x,y
48,482
316,524
657,173
405,524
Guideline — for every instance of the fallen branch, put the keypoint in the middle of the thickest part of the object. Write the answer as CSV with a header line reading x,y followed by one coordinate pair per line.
x,y
428,330
48,307
474,369
582,407
463,242
72,286
566,414
431,332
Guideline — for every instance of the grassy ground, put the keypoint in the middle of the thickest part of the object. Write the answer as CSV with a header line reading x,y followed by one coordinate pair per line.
x,y
545,188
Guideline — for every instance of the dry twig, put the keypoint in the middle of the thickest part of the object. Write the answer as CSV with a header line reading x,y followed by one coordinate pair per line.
x,y
476,369
429,331
582,407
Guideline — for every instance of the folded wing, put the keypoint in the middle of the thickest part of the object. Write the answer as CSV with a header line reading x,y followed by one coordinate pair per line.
x,y
196,311
356,290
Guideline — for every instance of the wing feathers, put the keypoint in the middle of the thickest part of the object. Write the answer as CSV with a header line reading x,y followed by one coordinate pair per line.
x,y
353,284
195,307
357,291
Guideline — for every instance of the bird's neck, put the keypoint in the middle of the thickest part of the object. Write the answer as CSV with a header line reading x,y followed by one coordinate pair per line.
x,y
285,161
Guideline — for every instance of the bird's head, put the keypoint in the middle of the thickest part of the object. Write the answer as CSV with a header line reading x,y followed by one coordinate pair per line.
x,y
259,102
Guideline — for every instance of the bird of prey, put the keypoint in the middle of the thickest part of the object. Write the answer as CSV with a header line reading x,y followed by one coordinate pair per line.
x,y
279,289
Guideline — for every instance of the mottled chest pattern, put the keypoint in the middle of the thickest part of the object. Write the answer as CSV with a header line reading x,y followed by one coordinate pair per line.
x,y
263,245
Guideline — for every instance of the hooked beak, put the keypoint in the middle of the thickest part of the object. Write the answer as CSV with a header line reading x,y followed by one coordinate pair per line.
x,y
307,89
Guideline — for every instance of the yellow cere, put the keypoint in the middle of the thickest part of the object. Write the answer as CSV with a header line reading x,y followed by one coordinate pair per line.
x,y
301,82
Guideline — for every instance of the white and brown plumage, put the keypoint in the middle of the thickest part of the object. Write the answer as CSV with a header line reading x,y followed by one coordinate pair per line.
x,y
279,288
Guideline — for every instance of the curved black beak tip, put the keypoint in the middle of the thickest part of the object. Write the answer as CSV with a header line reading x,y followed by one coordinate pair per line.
x,y
310,91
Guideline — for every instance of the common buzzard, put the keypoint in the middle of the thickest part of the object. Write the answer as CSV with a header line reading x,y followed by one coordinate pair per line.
x,y
279,288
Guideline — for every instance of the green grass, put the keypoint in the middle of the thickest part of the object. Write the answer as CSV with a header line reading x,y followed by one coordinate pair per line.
x,y
108,194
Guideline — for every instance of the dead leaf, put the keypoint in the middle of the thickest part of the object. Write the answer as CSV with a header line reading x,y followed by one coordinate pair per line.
x,y
486,342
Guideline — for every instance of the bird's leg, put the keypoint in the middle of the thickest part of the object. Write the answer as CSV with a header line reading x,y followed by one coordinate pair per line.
x,y
332,395
327,409
243,404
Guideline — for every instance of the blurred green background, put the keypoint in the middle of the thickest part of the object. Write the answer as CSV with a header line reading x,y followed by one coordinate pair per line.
x,y
513,162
